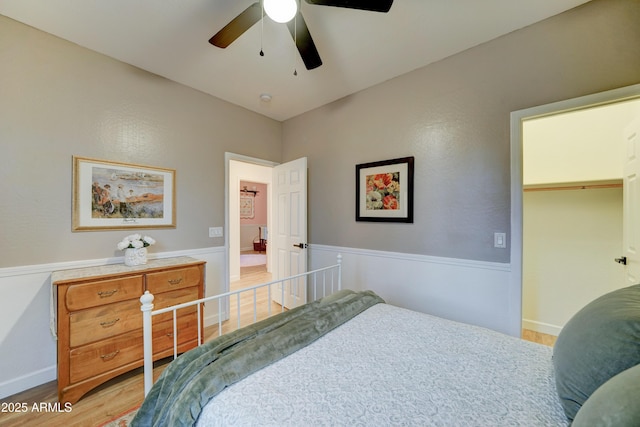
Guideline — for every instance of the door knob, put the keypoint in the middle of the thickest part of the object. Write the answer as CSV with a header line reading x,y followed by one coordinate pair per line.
x,y
301,245
622,260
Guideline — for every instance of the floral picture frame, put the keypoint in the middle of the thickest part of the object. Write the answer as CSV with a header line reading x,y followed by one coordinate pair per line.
x,y
384,190
110,195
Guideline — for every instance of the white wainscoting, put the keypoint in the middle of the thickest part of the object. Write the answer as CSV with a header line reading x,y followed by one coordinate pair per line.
x,y
545,328
27,345
468,291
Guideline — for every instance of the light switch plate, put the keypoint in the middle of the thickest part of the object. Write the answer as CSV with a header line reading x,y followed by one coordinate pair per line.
x,y
215,231
500,240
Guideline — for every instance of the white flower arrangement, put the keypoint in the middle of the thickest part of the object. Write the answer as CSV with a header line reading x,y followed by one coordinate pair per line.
x,y
135,241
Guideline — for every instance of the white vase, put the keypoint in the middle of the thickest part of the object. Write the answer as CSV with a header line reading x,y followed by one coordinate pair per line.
x,y
135,256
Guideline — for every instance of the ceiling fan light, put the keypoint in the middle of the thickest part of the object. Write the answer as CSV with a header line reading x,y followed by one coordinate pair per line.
x,y
281,11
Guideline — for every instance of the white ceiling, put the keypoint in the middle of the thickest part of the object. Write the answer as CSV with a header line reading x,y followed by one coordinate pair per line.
x,y
359,49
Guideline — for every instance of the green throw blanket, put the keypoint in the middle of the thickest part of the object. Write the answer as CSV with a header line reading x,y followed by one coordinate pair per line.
x,y
195,377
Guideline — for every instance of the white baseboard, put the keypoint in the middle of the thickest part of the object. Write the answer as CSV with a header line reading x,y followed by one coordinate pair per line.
x,y
212,320
27,381
544,328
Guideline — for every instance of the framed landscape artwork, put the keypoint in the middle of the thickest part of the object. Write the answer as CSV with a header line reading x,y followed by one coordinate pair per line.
x,y
114,195
384,191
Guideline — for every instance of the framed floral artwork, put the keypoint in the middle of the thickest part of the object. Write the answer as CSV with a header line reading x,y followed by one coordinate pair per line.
x,y
384,191
116,196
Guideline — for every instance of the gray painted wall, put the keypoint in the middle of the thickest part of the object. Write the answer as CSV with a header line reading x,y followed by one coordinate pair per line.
x,y
453,116
58,99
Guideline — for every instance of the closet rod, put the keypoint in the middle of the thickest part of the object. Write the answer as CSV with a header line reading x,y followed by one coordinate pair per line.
x,y
574,187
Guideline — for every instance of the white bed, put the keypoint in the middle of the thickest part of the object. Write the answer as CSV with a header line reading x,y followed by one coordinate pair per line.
x,y
384,366
351,359
392,366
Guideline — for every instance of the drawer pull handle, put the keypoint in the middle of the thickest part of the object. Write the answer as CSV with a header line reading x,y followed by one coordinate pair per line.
x,y
109,323
106,294
175,281
110,355
170,335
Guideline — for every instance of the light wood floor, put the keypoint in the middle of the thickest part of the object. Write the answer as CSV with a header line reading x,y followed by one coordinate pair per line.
x,y
123,393
539,337
264,307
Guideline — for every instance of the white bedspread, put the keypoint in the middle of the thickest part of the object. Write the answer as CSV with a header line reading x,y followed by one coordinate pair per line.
x,y
390,367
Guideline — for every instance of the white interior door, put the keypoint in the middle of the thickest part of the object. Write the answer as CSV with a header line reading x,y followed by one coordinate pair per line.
x,y
631,204
289,231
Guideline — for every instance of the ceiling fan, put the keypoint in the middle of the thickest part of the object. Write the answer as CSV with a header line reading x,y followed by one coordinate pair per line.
x,y
297,27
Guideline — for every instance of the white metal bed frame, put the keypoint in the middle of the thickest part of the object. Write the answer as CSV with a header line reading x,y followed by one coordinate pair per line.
x,y
148,312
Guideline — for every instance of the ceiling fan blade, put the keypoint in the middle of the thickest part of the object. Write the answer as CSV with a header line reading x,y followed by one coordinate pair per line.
x,y
371,5
237,26
304,42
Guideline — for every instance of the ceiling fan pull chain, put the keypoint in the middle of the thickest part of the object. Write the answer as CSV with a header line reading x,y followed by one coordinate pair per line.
x,y
262,30
295,43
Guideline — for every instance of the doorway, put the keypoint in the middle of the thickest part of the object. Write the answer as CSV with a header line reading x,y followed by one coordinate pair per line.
x,y
518,121
254,204
286,195
246,171
572,211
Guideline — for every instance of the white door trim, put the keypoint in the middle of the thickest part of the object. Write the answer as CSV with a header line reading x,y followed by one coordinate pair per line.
x,y
631,199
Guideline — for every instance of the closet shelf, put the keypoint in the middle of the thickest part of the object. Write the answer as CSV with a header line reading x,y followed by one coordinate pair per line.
x,y
563,186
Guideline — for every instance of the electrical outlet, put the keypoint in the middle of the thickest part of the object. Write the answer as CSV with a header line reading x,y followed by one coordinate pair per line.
x,y
215,232
499,240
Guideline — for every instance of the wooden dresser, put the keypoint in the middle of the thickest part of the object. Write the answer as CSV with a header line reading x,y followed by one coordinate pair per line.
x,y
99,322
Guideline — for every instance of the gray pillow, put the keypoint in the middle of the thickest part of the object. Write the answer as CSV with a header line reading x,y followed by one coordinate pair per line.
x,y
615,403
600,341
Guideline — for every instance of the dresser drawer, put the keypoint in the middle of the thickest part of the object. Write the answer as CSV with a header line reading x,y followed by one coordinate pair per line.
x,y
102,292
165,281
93,359
98,323
169,299
163,333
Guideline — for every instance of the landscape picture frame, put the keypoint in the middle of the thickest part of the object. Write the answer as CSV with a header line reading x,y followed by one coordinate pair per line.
x,y
112,195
